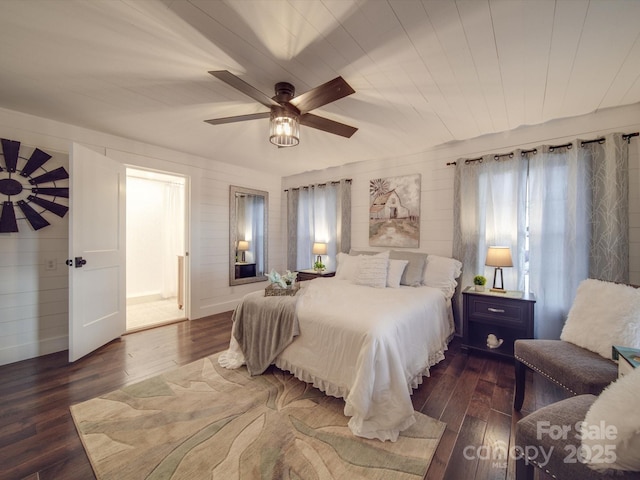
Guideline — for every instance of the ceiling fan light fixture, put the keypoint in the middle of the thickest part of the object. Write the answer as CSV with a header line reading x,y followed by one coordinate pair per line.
x,y
284,128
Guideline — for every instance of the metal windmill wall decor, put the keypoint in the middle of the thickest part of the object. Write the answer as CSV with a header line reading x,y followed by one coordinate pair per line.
x,y
18,176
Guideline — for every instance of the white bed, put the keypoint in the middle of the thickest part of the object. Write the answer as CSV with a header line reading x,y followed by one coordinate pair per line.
x,y
370,346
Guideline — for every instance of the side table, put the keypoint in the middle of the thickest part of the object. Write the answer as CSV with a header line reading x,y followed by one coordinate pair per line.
x,y
492,322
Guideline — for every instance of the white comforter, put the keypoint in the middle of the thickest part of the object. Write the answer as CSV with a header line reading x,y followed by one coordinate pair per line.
x,y
369,346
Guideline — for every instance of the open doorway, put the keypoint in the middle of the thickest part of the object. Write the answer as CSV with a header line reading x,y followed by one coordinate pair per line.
x,y
155,248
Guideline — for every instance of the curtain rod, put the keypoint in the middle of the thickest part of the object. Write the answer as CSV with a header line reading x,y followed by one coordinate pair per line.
x,y
348,180
625,136
568,146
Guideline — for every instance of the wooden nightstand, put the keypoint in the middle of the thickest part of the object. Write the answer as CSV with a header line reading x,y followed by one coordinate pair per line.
x,y
509,316
311,274
244,270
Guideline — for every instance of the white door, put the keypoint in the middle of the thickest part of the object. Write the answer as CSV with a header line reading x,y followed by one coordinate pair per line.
x,y
97,303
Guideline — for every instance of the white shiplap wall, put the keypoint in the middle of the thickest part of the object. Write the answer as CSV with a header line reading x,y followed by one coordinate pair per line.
x,y
436,231
26,311
34,302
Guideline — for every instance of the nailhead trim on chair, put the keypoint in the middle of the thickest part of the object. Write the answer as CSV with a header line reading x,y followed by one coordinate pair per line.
x,y
534,463
532,367
541,468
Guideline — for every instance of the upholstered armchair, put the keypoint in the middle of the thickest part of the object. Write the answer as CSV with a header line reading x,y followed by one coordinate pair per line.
x,y
603,314
576,369
585,437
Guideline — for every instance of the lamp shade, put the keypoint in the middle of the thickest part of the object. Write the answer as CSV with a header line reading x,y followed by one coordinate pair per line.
x,y
319,248
243,245
499,257
284,127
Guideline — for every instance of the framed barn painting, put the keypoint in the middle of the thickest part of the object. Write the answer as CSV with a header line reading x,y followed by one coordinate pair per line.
x,y
394,211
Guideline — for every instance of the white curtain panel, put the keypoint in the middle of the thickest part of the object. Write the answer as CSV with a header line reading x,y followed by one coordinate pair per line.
x,y
318,213
259,234
317,221
251,213
172,237
559,206
490,202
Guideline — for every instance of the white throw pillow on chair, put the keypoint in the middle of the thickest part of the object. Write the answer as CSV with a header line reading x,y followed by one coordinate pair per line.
x,y
611,428
603,314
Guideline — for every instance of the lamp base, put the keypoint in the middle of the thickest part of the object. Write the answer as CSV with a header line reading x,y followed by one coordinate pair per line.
x,y
498,288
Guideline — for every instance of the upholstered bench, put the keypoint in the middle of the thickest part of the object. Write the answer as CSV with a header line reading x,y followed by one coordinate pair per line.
x,y
576,369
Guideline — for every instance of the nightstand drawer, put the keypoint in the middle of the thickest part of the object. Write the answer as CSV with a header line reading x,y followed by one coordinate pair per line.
x,y
502,311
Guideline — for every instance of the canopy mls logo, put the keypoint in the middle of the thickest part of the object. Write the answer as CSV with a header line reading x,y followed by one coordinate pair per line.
x,y
499,452
27,183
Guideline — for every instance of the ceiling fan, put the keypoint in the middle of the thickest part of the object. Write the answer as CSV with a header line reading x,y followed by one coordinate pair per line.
x,y
288,111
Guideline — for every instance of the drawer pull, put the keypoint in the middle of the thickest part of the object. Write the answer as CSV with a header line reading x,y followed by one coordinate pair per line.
x,y
496,310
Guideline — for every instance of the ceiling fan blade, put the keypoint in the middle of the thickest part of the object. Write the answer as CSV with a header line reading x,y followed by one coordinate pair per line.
x,y
239,84
326,125
238,118
326,93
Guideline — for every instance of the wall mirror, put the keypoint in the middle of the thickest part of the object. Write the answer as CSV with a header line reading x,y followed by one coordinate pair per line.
x,y
247,235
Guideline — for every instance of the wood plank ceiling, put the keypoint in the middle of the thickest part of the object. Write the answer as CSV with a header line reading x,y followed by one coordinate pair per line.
x,y
425,72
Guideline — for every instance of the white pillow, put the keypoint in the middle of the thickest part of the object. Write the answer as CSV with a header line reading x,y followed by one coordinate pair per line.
x,y
347,267
441,272
603,314
394,274
616,407
372,271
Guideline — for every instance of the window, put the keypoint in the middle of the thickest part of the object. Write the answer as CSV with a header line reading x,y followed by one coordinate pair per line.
x,y
318,213
547,206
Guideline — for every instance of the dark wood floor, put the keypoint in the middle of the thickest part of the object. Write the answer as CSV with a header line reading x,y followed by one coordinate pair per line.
x,y
471,393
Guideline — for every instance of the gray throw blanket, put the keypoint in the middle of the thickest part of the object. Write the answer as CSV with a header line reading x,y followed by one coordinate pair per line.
x,y
263,327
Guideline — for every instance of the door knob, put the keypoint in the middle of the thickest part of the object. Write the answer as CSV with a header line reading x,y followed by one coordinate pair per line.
x,y
80,262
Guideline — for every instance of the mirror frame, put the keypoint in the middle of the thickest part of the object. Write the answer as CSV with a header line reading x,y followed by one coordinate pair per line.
x,y
233,234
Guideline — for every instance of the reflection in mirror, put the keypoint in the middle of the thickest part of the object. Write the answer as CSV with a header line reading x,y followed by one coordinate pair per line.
x,y
247,235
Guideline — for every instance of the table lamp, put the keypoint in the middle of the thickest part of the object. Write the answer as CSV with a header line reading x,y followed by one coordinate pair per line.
x,y
498,257
243,246
319,249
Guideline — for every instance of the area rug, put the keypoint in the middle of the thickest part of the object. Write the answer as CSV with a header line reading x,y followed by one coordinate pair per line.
x,y
202,421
